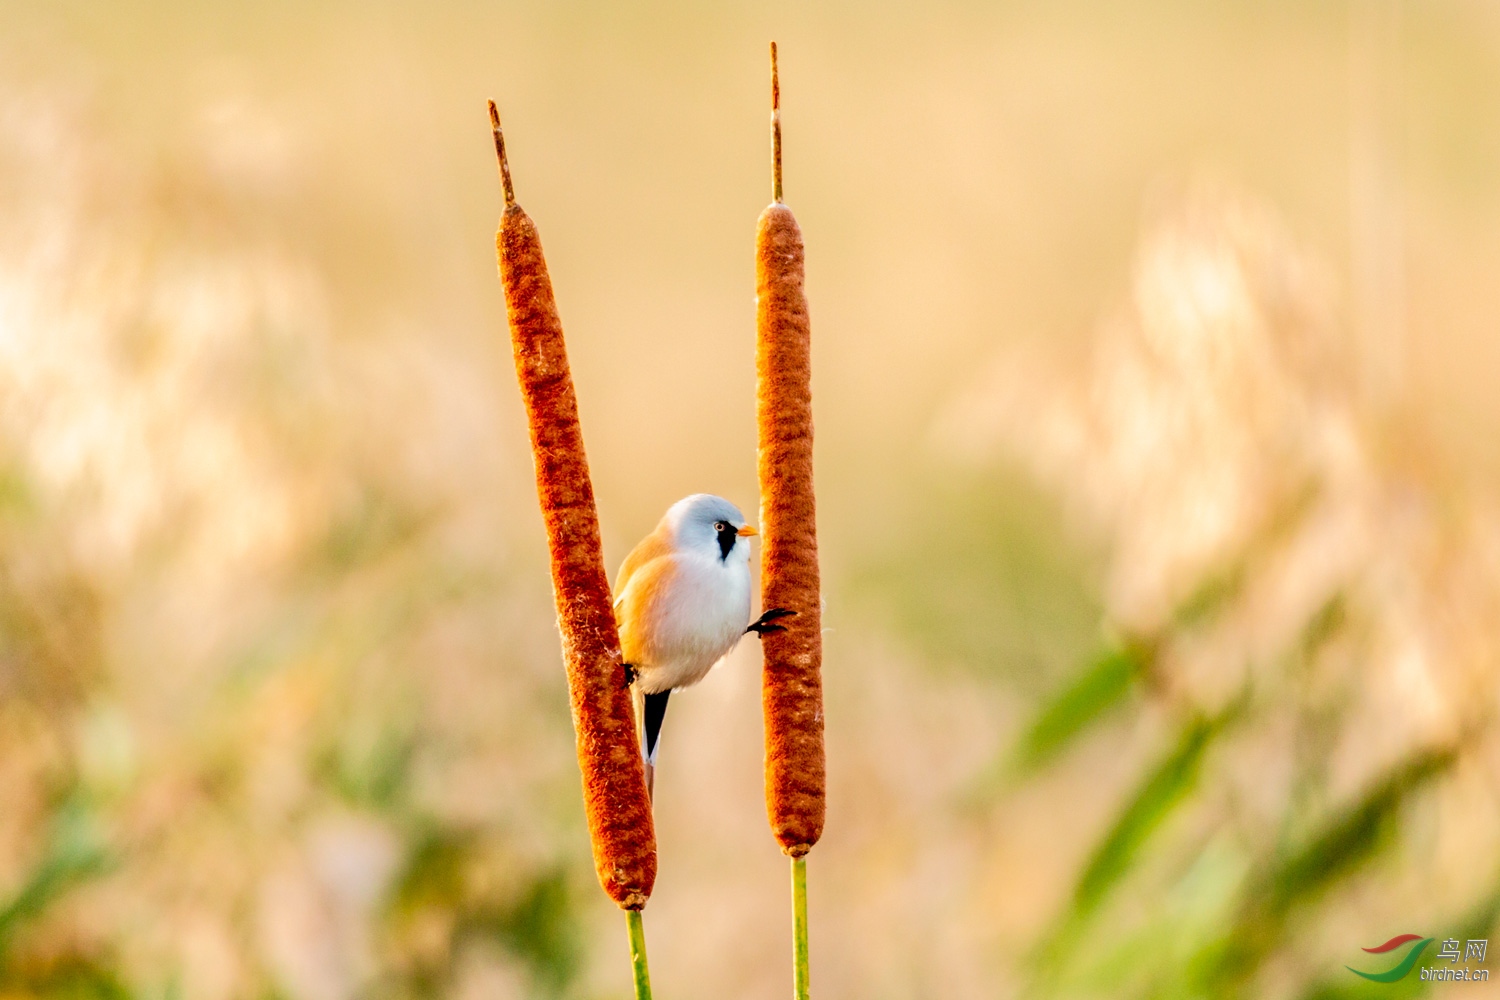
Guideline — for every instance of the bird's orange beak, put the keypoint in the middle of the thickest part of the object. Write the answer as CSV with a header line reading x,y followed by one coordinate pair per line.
x,y
746,531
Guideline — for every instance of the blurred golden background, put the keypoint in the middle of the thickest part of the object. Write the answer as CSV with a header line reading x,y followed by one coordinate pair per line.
x,y
1157,402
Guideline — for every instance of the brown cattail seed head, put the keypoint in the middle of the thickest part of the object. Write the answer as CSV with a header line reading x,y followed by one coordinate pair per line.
x,y
614,786
792,684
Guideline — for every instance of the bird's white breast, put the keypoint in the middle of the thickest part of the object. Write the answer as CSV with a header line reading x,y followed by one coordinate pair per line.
x,y
694,620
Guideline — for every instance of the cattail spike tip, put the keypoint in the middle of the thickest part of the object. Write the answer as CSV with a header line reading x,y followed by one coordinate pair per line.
x,y
510,192
775,128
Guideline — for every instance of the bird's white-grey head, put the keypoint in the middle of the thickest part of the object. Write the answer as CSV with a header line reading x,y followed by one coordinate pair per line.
x,y
707,524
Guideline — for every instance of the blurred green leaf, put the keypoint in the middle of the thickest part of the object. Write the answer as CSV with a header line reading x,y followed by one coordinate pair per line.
x,y
1144,959
1325,624
1213,593
1164,788
1478,923
434,871
1482,918
536,921
70,977
370,765
74,854
1350,838
1080,704
540,930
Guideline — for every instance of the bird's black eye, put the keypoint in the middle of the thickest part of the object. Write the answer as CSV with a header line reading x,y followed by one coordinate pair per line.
x,y
720,526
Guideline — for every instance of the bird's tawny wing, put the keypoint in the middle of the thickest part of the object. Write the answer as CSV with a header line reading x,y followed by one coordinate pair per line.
x,y
638,604
653,546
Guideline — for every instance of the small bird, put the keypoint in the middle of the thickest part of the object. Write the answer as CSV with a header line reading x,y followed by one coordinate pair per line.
x,y
682,601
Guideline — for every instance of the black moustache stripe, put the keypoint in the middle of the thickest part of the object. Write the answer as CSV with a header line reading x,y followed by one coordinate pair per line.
x,y
727,538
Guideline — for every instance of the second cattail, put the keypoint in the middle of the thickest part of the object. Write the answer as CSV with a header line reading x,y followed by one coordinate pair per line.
x,y
792,683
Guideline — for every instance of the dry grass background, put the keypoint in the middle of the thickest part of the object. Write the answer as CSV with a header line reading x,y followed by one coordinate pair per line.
x,y
1156,400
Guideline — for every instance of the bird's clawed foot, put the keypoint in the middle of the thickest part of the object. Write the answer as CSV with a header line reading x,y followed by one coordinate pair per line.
x,y
629,674
762,625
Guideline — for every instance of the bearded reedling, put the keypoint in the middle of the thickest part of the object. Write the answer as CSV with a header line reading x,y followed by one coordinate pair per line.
x,y
614,786
792,683
682,599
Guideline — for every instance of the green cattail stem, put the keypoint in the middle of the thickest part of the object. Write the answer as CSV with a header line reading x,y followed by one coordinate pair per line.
x,y
638,954
799,928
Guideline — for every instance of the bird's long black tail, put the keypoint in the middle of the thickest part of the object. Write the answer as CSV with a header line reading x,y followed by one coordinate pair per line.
x,y
653,711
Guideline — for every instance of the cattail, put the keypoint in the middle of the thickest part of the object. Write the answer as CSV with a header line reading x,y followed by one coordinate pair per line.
x,y
614,786
792,684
